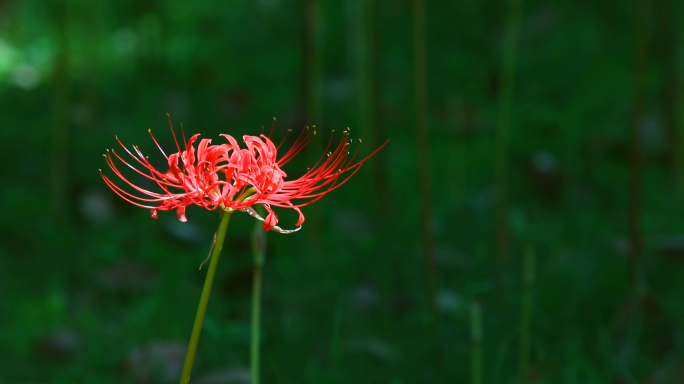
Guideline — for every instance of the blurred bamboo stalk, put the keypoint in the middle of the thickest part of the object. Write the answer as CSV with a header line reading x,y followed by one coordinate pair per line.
x,y
335,339
423,149
58,160
357,36
503,130
458,178
312,86
665,52
636,164
475,344
90,94
526,314
312,63
375,118
677,79
363,20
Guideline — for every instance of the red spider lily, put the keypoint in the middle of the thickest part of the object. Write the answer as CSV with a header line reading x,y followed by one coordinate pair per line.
x,y
234,178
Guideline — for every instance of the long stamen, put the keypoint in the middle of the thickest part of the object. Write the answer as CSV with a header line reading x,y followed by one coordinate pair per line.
x,y
272,126
302,140
174,136
155,142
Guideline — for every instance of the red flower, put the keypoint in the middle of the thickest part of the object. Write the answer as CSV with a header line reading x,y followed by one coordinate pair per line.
x,y
235,178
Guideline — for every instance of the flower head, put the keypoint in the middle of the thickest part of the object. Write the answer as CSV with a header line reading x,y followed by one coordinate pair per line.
x,y
229,177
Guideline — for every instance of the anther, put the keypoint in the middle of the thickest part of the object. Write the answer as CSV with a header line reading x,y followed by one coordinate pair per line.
x,y
274,119
314,133
289,130
167,115
360,142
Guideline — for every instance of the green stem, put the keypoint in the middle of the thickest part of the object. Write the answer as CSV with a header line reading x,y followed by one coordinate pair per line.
x,y
476,344
503,133
526,314
256,318
204,299
61,98
423,149
259,253
636,163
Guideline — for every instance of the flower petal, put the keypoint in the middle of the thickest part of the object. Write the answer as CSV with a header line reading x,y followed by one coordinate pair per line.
x,y
270,221
180,212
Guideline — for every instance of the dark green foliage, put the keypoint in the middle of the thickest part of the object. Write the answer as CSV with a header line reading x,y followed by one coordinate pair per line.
x,y
86,284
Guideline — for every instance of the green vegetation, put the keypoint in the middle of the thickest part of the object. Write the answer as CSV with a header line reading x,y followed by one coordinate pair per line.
x,y
92,290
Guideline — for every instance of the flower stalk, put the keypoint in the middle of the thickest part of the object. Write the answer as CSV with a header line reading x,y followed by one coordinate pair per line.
x,y
204,298
475,344
259,254
228,178
526,314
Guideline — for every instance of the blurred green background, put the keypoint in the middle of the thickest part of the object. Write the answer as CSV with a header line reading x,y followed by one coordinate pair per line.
x,y
550,129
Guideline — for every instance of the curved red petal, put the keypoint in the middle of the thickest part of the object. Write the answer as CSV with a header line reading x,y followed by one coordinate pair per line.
x,y
270,221
180,212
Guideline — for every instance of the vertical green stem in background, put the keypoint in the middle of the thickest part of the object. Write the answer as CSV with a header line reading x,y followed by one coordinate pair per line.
x,y
676,94
634,207
60,114
475,344
458,179
91,65
335,339
526,313
665,54
204,298
259,255
312,87
423,148
358,56
635,164
312,64
375,116
256,323
503,130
